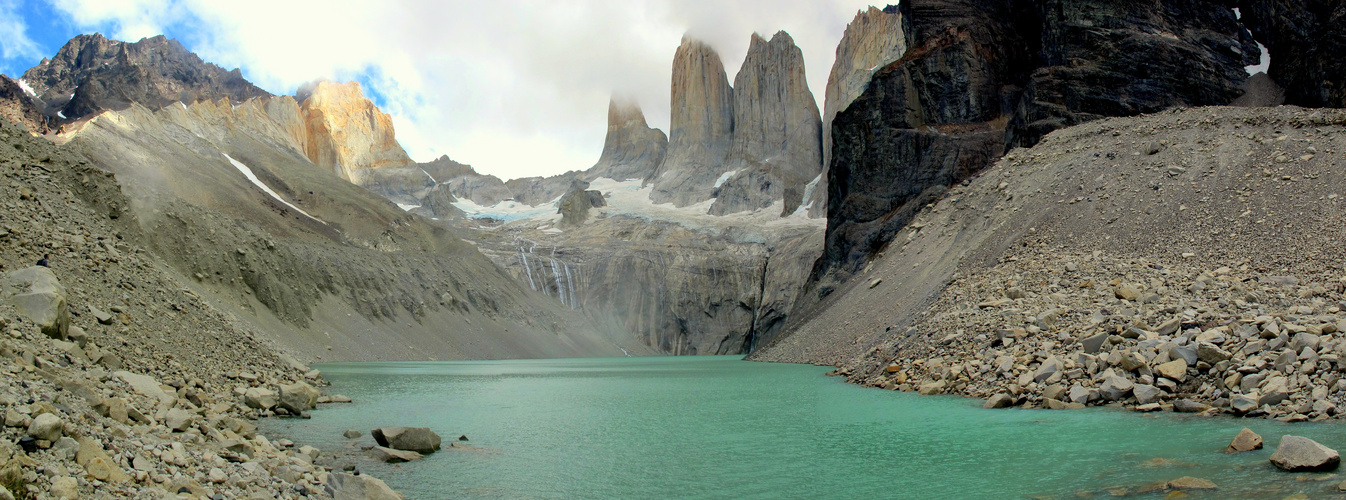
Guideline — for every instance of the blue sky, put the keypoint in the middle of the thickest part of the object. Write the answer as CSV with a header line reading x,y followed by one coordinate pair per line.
x,y
513,87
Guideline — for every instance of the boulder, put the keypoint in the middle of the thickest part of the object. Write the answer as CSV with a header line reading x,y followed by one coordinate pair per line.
x,y
1095,343
1049,367
46,427
298,397
352,487
417,439
260,398
392,456
931,388
1246,440
1146,393
351,434
1175,370
1242,403
37,294
179,420
1115,388
63,488
97,463
1301,454
1189,406
999,401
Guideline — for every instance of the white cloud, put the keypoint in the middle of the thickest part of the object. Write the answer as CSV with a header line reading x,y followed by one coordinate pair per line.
x,y
14,41
513,88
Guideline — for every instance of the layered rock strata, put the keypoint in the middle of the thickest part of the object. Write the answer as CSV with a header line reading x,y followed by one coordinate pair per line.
x,y
777,144
872,40
700,129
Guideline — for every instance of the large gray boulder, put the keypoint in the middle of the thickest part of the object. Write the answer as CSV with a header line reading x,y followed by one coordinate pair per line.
x,y
1301,454
362,487
260,398
417,439
298,397
37,294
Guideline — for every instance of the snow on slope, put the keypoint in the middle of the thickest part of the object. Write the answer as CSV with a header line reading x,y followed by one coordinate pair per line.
x,y
247,172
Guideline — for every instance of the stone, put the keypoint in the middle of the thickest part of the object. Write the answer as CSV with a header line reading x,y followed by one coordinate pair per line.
x,y
931,388
1055,404
65,448
392,456
1189,406
260,398
1054,391
1273,398
346,132
1211,353
1301,454
1001,400
5,494
1132,362
65,488
1191,483
701,127
1115,388
1175,370
1241,403
1127,291
1094,343
1246,440
417,439
1049,367
1079,394
78,336
351,434
1146,393
298,397
179,420
47,427
216,475
38,295
1303,340
146,385
343,486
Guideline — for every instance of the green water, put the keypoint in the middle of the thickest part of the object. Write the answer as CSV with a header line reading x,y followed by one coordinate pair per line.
x,y
718,427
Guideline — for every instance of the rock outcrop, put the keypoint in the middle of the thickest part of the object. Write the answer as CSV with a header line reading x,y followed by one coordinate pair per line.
x,y
777,144
872,40
574,205
979,77
347,133
701,127
1306,42
92,73
18,106
631,149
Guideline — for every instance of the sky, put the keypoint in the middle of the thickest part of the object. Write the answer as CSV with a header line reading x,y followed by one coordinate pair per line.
x,y
515,88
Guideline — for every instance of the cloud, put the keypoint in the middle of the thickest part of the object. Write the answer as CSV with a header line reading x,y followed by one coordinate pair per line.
x,y
514,88
14,41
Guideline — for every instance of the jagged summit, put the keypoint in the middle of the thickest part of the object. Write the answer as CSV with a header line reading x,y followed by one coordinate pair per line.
x,y
91,73
347,132
777,141
631,150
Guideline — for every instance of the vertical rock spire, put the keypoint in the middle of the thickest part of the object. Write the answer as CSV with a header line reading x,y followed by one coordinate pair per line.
x,y
700,129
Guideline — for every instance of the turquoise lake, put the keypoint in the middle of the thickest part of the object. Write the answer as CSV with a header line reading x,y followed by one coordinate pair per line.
x,y
720,427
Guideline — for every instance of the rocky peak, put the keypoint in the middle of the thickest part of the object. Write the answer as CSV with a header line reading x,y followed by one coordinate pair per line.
x,y
347,133
873,39
700,129
631,150
777,129
92,73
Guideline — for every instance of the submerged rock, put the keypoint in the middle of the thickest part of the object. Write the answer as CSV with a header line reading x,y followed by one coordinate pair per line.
x,y
352,487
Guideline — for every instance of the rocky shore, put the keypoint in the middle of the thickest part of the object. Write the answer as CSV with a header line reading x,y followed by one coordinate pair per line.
x,y
120,380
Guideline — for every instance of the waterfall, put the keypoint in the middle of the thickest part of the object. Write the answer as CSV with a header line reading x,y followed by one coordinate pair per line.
x,y
555,272
570,281
527,269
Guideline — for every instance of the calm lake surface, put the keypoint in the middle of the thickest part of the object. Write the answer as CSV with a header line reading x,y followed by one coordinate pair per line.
x,y
719,427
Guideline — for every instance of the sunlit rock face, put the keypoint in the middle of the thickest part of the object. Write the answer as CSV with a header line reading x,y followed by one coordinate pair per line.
x,y
347,133
701,127
777,146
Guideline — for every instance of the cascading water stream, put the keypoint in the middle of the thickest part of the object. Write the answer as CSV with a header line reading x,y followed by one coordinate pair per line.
x,y
527,270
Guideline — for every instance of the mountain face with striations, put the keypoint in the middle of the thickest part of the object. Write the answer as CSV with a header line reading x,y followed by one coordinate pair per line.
x,y
92,73
701,127
872,40
777,144
631,149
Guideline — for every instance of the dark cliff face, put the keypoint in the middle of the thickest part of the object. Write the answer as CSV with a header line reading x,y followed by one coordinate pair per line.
x,y
1307,40
19,107
91,73
982,76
